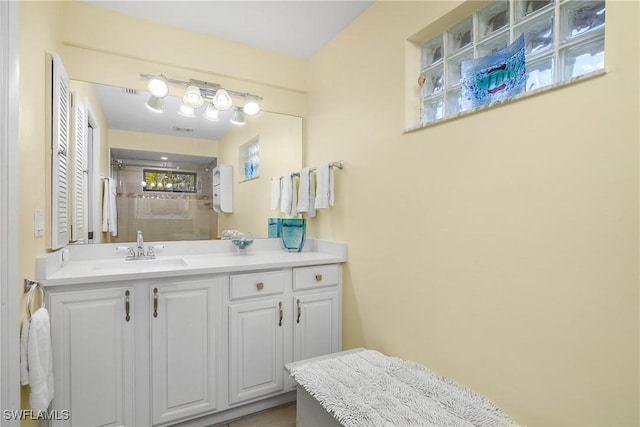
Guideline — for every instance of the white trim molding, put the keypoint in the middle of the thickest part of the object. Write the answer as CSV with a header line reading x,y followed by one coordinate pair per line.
x,y
9,215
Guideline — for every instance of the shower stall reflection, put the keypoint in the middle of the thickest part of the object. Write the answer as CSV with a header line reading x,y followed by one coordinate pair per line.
x,y
151,198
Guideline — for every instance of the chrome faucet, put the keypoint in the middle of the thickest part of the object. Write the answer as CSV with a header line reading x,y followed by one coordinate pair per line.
x,y
138,252
140,242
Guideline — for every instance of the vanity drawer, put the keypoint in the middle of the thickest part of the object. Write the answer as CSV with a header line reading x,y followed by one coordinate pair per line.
x,y
315,277
256,284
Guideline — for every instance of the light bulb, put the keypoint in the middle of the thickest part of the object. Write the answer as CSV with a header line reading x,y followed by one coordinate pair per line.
x,y
237,118
186,111
211,113
193,97
157,86
251,107
222,100
155,104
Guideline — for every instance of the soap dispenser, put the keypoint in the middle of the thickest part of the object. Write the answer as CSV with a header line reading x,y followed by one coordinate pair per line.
x,y
223,188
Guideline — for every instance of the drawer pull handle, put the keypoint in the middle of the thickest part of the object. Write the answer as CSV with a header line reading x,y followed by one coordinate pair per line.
x,y
281,313
318,277
126,306
259,285
155,302
299,311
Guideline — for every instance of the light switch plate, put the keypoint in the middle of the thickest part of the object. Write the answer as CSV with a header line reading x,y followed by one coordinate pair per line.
x,y
38,223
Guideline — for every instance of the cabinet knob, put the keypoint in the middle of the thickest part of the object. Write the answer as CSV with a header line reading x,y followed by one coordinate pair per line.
x,y
259,285
318,277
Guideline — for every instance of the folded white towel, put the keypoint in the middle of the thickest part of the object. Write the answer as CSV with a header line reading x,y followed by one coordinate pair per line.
x,y
24,342
40,361
113,225
306,193
294,196
286,194
275,192
303,191
324,195
311,212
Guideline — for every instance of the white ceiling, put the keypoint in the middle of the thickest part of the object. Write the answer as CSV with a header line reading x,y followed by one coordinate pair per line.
x,y
297,28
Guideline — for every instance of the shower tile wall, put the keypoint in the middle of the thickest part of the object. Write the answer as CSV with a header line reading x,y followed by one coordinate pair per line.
x,y
163,216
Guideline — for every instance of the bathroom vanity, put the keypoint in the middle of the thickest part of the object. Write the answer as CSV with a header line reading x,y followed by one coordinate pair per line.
x,y
197,336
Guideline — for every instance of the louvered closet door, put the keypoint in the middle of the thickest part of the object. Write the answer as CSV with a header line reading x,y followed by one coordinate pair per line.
x,y
79,177
59,156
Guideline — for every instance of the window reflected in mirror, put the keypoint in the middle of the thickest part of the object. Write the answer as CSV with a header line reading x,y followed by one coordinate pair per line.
x,y
168,181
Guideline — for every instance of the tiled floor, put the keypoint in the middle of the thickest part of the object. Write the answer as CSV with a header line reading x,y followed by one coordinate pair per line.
x,y
282,416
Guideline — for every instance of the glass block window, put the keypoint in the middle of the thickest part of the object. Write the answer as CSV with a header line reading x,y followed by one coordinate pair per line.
x,y
250,159
564,39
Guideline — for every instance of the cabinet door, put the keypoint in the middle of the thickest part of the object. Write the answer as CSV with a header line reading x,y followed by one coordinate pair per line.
x,y
255,349
183,350
92,344
316,325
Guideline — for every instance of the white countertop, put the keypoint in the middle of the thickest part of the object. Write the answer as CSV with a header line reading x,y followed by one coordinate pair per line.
x,y
78,264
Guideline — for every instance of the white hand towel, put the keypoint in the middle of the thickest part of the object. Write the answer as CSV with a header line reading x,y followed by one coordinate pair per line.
x,y
307,193
40,361
286,194
303,191
275,192
311,212
106,195
24,342
324,195
294,196
109,210
113,210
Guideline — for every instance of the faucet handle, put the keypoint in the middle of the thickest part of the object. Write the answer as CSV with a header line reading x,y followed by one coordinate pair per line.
x,y
150,252
131,253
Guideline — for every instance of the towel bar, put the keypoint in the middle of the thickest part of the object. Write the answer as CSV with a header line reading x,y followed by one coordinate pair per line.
x,y
339,164
29,288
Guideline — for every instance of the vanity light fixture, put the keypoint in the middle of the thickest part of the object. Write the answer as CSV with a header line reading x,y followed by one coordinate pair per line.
x,y
186,111
222,100
155,104
211,113
198,93
251,106
157,86
237,118
193,97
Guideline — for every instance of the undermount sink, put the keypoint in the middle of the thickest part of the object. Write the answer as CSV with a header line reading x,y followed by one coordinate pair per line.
x,y
139,265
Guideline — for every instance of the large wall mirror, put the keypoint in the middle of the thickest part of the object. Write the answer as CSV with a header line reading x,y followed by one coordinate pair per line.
x,y
159,167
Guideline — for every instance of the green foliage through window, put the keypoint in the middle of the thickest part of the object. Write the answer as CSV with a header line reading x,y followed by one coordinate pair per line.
x,y
168,181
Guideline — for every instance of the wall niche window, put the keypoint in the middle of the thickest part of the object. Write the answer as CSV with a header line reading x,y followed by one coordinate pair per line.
x,y
564,40
169,181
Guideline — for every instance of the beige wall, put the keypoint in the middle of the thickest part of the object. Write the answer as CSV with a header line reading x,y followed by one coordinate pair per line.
x,y
163,143
500,249
280,153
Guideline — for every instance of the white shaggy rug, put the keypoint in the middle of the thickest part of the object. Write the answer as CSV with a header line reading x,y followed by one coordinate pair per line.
x,y
367,389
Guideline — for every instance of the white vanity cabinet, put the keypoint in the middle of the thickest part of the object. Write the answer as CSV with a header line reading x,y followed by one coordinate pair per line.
x,y
200,343
317,326
256,334
92,342
184,345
